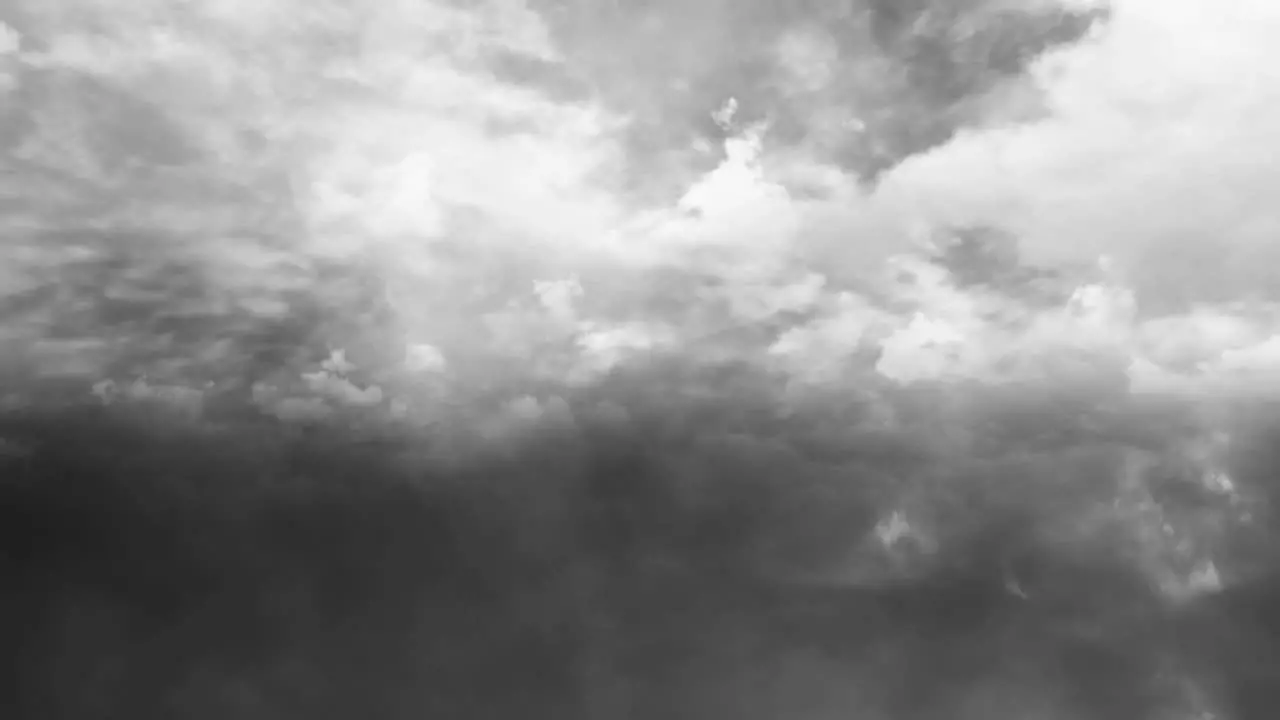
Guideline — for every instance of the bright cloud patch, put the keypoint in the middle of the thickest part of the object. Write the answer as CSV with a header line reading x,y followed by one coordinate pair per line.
x,y
1154,151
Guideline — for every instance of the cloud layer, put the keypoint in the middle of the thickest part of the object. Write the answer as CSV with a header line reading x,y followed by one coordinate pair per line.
x,y
686,181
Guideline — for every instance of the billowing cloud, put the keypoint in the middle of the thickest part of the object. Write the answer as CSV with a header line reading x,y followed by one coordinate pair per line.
x,y
470,164
1152,150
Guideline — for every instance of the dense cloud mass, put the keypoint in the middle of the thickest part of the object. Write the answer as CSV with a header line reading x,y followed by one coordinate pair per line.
x,y
626,360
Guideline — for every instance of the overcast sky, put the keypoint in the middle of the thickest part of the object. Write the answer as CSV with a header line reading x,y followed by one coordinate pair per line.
x,y
552,166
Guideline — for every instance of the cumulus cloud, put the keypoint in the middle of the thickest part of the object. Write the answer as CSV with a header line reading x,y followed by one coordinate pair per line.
x,y
1152,150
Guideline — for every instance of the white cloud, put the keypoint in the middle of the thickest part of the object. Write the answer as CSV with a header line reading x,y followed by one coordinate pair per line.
x,y
423,357
1262,357
819,351
603,347
735,207
10,40
923,350
1197,337
1157,148
558,297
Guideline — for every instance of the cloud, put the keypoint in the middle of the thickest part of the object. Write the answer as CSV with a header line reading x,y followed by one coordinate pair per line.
x,y
1153,151
10,40
10,43
503,212
471,160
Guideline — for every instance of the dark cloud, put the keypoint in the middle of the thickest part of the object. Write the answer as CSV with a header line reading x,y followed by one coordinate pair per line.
x,y
684,560
225,493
